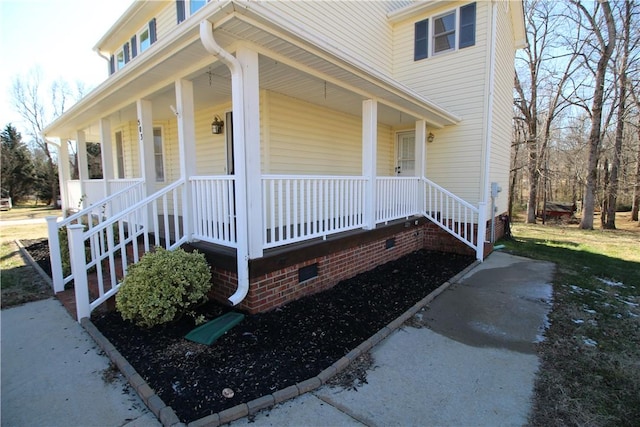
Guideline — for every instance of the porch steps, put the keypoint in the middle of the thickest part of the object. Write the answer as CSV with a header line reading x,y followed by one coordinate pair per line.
x,y
208,333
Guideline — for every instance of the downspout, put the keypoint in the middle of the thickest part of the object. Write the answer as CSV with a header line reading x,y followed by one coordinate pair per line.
x,y
490,100
237,102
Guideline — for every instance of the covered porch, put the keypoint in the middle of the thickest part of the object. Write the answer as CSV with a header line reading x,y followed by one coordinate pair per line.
x,y
309,148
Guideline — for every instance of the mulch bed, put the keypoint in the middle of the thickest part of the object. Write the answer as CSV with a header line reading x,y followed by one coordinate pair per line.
x,y
271,351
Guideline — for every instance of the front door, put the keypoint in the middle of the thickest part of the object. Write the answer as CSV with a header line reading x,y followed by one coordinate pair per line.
x,y
405,154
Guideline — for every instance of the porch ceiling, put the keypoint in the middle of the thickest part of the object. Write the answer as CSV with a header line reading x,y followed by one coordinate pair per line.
x,y
288,65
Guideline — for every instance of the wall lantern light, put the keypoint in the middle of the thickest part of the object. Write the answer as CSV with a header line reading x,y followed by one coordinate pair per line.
x,y
430,137
216,126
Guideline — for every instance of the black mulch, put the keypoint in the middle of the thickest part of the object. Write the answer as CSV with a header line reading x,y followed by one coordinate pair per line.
x,y
270,351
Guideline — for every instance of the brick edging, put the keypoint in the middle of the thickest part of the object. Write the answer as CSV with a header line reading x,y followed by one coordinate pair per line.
x,y
168,417
25,253
164,413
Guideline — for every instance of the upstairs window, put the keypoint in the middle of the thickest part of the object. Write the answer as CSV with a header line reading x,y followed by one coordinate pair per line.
x,y
119,59
186,8
444,33
455,29
140,42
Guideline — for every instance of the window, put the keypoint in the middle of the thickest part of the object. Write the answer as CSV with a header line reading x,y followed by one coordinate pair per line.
x,y
195,5
186,8
119,60
158,154
144,40
444,32
119,155
455,29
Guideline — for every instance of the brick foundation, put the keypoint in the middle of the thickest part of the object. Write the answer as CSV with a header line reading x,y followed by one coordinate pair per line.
x,y
275,288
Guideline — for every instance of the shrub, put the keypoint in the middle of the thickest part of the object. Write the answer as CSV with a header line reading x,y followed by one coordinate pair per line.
x,y
163,286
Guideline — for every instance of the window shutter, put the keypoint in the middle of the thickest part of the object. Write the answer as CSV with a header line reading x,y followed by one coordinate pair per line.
x,y
421,46
181,10
152,30
134,47
125,49
112,65
468,25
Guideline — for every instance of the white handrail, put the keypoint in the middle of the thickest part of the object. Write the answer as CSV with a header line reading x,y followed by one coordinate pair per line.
x,y
121,240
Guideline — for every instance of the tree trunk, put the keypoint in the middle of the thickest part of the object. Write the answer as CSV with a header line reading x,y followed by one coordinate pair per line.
x,y
596,113
612,189
636,189
604,204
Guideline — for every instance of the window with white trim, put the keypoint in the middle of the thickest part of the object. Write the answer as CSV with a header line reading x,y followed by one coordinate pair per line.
x,y
186,8
158,153
119,59
449,31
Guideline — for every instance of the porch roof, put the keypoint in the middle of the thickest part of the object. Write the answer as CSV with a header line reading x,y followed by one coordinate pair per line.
x,y
286,50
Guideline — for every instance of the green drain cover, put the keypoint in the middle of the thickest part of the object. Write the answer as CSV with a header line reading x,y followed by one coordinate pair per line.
x,y
211,331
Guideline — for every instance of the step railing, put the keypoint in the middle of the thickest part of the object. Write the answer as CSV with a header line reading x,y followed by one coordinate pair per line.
x,y
90,217
456,216
105,251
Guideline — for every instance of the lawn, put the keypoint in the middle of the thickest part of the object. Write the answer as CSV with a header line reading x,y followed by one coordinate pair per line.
x,y
19,282
590,360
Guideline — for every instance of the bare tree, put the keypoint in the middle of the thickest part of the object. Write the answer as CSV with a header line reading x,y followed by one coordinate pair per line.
x,y
29,101
636,189
602,50
544,98
626,14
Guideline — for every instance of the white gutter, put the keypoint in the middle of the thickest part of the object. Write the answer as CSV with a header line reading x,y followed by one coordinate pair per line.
x,y
237,105
485,188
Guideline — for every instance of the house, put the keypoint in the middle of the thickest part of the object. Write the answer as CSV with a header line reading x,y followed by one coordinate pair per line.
x,y
295,143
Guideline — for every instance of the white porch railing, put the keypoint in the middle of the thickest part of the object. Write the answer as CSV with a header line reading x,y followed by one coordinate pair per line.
x,y
213,209
89,217
397,197
297,208
456,216
120,241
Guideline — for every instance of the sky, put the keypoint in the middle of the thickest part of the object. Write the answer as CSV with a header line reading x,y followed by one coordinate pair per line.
x,y
57,36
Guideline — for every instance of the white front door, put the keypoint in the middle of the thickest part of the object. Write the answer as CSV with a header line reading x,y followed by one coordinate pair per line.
x,y
405,154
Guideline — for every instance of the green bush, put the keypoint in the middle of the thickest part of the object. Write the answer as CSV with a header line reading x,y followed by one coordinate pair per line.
x,y
163,286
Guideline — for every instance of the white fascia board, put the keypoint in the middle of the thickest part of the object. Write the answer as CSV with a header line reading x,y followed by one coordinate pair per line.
x,y
414,9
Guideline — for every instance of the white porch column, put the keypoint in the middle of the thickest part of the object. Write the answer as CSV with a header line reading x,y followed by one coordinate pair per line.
x,y
106,151
251,161
186,146
83,167
420,156
64,174
145,139
369,154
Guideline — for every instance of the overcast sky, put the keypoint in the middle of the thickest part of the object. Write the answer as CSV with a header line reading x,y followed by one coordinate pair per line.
x,y
56,35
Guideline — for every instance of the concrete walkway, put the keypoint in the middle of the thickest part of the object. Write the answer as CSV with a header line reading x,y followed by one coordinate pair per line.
x,y
473,364
53,374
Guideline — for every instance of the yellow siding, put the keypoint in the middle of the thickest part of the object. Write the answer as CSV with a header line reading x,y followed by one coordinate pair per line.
x,y
166,19
502,111
129,148
307,139
456,81
210,149
359,29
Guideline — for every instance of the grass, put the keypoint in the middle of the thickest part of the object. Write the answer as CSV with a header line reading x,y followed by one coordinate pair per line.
x,y
19,282
590,360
